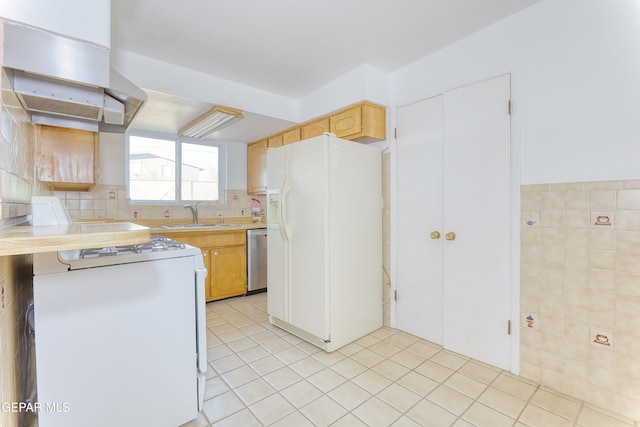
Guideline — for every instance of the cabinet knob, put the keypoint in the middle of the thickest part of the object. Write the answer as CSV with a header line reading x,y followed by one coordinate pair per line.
x,y
215,253
435,235
450,236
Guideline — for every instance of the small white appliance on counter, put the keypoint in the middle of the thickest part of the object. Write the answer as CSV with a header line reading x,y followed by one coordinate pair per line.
x,y
120,332
324,217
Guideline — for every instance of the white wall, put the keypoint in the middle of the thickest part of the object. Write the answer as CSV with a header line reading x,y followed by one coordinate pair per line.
x,y
236,166
84,20
362,83
111,158
575,67
180,81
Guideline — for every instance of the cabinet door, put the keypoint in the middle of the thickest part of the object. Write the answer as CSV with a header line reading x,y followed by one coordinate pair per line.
x,y
315,128
67,158
346,123
363,123
274,141
257,167
291,136
228,271
206,259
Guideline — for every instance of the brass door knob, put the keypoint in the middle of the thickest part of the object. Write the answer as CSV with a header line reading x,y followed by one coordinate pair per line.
x,y
435,235
450,236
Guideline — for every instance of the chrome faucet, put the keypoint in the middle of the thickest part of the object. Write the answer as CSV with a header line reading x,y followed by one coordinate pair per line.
x,y
194,212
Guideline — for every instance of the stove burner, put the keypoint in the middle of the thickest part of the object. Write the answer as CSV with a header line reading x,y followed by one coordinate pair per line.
x,y
156,244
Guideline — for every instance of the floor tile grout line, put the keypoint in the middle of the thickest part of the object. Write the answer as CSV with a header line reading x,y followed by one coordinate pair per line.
x,y
575,423
373,340
393,381
528,403
348,379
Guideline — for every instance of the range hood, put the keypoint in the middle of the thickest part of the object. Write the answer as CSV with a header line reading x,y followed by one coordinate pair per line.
x,y
66,82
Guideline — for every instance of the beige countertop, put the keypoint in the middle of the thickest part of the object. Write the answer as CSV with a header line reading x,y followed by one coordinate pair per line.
x,y
20,240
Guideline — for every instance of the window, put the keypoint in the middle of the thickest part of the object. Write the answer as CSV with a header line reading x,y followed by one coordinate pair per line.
x,y
171,170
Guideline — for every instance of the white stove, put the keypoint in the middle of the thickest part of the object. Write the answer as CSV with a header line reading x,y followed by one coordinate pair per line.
x,y
120,332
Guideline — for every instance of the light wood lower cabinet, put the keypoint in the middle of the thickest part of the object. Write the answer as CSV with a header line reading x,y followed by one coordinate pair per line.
x,y
227,271
225,257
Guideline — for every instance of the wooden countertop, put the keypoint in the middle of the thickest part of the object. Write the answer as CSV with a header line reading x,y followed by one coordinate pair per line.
x,y
20,240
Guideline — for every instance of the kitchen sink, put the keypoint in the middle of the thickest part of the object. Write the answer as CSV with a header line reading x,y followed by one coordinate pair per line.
x,y
179,227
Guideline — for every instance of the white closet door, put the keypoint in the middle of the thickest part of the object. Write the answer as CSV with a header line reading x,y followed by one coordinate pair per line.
x,y
419,212
477,209
453,175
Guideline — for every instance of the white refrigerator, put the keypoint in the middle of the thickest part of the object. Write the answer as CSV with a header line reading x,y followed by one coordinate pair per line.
x,y
324,257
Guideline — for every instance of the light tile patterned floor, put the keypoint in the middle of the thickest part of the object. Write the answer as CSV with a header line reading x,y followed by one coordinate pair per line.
x,y
260,375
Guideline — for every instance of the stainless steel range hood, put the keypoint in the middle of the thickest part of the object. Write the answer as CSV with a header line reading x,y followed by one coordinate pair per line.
x,y
67,82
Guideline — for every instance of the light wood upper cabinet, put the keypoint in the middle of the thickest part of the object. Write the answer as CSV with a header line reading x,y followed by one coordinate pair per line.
x,y
291,136
274,141
362,123
257,167
67,159
315,128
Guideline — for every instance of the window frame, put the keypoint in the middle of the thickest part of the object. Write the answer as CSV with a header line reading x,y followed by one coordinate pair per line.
x,y
177,140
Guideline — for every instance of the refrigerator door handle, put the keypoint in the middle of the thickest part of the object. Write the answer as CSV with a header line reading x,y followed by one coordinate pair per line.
x,y
284,192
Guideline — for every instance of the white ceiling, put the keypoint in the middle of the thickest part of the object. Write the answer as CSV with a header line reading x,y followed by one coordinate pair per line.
x,y
291,47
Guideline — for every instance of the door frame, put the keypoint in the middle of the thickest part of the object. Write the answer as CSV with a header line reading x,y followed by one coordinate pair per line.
x,y
517,111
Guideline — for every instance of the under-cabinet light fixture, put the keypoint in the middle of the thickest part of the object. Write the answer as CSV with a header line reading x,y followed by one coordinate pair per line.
x,y
211,121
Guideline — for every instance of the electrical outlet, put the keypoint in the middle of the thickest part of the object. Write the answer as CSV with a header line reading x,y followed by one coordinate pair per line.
x,y
220,212
235,197
241,212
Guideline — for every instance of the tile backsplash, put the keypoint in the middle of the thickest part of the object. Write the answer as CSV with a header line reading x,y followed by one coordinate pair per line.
x,y
109,201
580,291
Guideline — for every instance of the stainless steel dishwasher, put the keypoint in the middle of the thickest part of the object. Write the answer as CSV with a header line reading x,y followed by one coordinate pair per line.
x,y
256,260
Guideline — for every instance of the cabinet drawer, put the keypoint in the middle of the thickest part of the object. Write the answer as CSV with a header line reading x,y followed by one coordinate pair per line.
x,y
214,239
